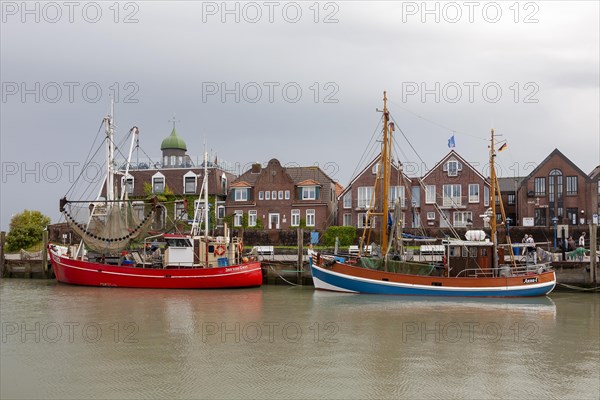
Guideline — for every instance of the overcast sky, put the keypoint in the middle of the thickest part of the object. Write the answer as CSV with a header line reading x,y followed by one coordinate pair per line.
x,y
295,81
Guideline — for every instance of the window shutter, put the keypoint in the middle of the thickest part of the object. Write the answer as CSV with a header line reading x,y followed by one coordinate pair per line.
x,y
248,193
317,193
299,193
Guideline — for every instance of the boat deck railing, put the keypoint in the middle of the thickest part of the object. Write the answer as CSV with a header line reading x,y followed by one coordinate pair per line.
x,y
505,271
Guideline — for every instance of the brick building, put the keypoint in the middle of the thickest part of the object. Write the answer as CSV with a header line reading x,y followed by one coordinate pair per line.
x,y
178,176
355,199
278,197
459,190
559,189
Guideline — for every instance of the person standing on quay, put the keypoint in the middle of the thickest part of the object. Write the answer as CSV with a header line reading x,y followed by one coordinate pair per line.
x,y
581,245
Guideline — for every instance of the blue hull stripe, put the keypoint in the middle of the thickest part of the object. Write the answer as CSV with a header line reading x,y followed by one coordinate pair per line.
x,y
347,283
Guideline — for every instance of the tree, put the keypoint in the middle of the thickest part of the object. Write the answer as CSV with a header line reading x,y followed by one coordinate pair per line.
x,y
26,230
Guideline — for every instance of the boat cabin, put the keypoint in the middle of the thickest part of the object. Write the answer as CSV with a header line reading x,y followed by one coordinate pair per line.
x,y
200,251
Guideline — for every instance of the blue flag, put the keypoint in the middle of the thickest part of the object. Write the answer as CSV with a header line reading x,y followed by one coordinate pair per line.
x,y
451,142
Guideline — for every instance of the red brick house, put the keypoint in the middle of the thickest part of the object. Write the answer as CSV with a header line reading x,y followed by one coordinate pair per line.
x,y
177,174
355,199
459,190
278,197
559,189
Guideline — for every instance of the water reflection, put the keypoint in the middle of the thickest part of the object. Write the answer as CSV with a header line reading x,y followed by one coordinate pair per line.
x,y
278,342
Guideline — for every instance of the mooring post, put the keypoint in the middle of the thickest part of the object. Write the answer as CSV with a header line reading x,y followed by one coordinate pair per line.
x,y
564,244
2,243
300,234
593,254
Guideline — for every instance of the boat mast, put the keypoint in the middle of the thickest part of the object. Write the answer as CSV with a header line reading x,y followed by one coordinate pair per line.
x,y
385,163
205,189
110,154
494,185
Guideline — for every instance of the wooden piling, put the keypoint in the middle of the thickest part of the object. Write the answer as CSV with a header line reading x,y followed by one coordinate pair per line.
x,y
593,254
2,261
44,254
300,266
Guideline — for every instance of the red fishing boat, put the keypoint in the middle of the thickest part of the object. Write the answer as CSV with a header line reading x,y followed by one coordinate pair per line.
x,y
105,256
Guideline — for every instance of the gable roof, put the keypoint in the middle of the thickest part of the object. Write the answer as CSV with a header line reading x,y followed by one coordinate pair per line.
x,y
558,153
368,167
508,184
595,173
453,153
309,182
240,184
299,175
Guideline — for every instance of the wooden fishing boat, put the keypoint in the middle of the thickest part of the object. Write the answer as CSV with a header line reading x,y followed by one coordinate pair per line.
x,y
474,267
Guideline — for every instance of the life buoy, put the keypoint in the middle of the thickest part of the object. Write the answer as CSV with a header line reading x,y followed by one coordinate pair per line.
x,y
219,250
241,247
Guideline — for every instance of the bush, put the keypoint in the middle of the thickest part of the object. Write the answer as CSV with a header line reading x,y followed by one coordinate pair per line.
x,y
26,230
346,235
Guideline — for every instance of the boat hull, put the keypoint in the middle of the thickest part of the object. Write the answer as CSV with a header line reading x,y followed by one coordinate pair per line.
x,y
345,278
78,272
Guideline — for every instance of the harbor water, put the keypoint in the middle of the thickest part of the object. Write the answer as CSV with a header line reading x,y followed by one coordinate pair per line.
x,y
60,341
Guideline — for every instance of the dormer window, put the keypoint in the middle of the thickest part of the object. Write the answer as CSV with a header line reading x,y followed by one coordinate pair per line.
x,y
158,183
309,193
241,194
452,166
189,183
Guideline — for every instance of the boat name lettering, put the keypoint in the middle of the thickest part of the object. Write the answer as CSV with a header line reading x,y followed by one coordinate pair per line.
x,y
240,268
530,280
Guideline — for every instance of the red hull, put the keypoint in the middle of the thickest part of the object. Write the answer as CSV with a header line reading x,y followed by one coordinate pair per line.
x,y
86,273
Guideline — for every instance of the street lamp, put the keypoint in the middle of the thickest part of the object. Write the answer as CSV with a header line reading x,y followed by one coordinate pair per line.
x,y
554,221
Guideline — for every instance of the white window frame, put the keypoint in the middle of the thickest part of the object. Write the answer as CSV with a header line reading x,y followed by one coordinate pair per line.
x,y
452,171
125,183
240,194
190,174
309,192
365,193
268,195
375,169
238,218
473,198
287,194
280,195
486,196
252,217
455,197
393,195
310,217
360,223
347,219
261,195
220,212
459,218
430,194
295,218
274,195
431,216
347,200
156,177
180,205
